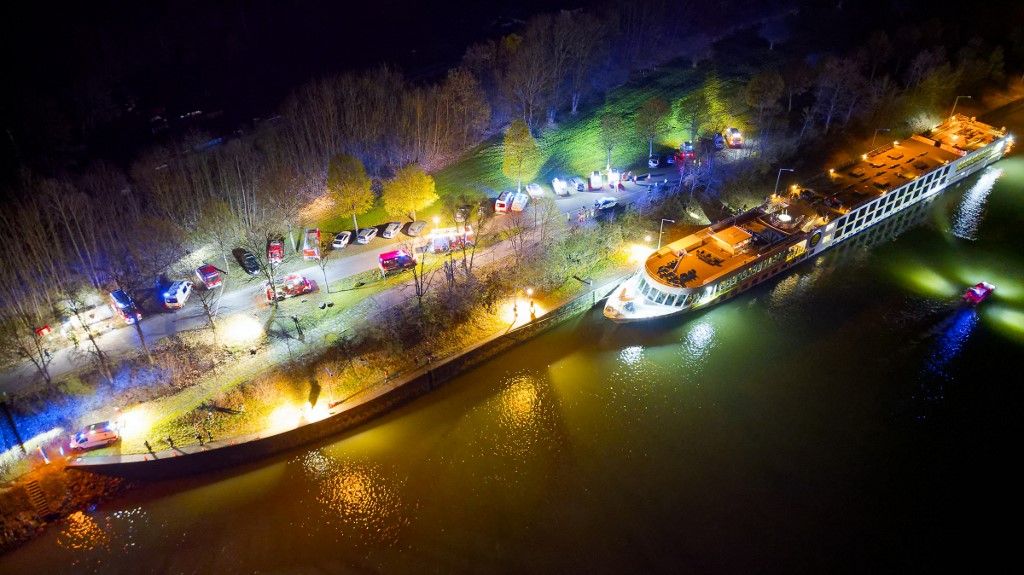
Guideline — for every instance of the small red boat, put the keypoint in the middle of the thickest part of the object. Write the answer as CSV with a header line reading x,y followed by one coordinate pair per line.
x,y
979,293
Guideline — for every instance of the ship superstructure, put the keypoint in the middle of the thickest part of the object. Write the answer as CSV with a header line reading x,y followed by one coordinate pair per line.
x,y
726,258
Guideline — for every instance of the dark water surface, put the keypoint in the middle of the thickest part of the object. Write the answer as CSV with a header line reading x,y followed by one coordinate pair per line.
x,y
850,416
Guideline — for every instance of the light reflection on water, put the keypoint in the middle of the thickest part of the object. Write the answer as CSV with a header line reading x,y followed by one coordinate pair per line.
x,y
972,206
81,532
359,502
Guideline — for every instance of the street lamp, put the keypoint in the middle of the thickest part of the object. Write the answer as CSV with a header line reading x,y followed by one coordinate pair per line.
x,y
779,175
875,135
661,229
955,101
437,220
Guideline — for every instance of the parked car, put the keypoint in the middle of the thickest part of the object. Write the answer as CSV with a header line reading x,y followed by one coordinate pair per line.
x,y
124,307
503,202
519,201
177,294
209,276
95,435
653,162
670,159
605,203
719,142
734,138
535,190
416,228
341,240
687,151
247,260
365,235
391,229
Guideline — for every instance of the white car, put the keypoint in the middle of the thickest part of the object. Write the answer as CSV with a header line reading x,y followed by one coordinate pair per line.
x,y
95,435
391,230
535,190
365,235
177,294
605,203
341,240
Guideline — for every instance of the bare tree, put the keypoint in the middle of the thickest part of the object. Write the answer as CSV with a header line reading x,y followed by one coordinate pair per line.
x,y
421,276
141,253
76,306
326,252
219,226
209,302
515,234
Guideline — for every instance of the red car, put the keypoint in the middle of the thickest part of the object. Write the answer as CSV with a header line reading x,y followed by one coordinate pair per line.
x,y
209,276
979,293
291,286
275,251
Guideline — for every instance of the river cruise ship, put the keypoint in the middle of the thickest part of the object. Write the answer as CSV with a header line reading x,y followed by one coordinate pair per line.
x,y
733,255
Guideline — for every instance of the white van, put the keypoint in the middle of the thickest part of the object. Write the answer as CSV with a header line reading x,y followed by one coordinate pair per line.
x,y
177,294
95,435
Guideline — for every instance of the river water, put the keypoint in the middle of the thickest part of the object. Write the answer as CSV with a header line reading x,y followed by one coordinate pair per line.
x,y
849,416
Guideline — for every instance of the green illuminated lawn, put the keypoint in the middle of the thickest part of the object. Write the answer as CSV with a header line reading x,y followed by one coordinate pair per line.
x,y
573,147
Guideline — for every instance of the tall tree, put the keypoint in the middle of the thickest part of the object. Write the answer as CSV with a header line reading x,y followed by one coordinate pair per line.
x,y
349,186
219,225
613,130
410,191
762,92
650,121
142,252
521,157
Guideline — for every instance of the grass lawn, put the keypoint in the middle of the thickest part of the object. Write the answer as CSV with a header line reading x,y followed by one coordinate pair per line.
x,y
574,146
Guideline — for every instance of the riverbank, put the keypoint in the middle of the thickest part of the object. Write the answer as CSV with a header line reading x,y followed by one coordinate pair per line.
x,y
87,480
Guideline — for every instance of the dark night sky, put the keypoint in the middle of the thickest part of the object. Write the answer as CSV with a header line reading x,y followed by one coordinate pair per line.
x,y
79,64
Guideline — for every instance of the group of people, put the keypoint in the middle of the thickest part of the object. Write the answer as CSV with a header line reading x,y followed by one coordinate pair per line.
x,y
708,258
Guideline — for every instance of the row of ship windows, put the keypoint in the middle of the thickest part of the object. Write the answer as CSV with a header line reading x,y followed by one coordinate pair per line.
x,y
866,215
657,296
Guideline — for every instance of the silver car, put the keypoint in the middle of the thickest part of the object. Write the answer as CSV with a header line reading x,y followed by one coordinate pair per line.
x,y
365,235
391,229
341,240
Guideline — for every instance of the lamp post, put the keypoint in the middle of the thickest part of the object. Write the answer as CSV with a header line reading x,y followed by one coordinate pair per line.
x,y
776,191
875,135
955,101
661,229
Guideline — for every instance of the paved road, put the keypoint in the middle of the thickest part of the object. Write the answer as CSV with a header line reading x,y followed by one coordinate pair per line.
x,y
243,294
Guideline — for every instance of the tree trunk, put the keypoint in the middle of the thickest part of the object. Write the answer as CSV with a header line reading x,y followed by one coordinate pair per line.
x,y
575,106
355,224
142,338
